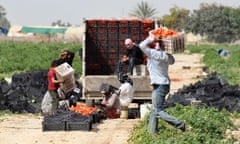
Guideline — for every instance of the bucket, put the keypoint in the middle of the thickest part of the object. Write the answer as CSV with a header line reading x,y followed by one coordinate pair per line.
x,y
124,112
144,109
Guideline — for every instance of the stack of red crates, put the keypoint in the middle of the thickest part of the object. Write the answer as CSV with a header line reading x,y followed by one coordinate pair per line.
x,y
105,42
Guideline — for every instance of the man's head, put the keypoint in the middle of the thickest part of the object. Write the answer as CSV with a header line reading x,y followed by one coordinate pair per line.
x,y
128,43
54,63
63,54
105,89
158,45
161,45
122,77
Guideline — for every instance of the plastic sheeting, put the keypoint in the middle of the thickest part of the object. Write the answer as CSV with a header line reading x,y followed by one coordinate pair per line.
x,y
43,30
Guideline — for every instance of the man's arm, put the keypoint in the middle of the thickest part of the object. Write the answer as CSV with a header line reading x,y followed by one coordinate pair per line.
x,y
124,58
144,46
57,81
152,53
111,100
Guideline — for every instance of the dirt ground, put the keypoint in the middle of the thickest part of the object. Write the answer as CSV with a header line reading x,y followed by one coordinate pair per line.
x,y
27,128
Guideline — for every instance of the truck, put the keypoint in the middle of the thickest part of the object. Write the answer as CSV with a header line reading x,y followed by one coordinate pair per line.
x,y
103,45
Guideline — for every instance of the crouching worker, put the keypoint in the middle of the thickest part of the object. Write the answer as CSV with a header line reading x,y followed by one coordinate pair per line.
x,y
110,101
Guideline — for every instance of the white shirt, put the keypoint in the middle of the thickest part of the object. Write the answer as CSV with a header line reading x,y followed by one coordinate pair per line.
x,y
126,94
157,62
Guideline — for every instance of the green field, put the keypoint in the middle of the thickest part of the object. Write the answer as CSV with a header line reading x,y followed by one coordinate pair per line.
x,y
205,125
18,57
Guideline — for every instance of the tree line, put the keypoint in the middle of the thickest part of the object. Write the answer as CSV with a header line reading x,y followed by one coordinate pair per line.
x,y
218,23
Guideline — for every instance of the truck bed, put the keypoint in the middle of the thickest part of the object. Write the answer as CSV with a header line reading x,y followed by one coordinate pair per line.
x,y
91,86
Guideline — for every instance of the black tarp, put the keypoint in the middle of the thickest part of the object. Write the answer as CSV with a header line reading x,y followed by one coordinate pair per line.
x,y
212,91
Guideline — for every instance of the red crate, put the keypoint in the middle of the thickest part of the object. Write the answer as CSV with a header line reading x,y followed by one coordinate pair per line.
x,y
102,30
124,23
91,30
102,36
112,37
135,23
113,56
112,50
101,23
113,62
112,30
123,30
113,23
91,23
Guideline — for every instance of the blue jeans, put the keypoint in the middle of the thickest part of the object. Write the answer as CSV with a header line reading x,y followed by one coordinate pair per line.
x,y
157,111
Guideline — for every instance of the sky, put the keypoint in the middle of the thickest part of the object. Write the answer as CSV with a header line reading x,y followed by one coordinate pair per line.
x,y
44,12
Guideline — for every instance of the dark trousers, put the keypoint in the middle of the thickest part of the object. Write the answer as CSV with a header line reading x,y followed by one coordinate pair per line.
x,y
131,62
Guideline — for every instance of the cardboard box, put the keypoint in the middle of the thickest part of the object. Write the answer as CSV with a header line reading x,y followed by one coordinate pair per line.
x,y
66,72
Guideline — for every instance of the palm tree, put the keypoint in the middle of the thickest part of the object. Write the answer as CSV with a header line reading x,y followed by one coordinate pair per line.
x,y
143,11
2,11
4,23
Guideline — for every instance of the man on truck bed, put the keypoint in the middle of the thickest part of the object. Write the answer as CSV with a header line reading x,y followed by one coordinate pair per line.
x,y
133,56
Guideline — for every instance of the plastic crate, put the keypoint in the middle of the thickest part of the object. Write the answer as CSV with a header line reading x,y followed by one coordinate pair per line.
x,y
133,113
95,117
53,126
76,125
174,44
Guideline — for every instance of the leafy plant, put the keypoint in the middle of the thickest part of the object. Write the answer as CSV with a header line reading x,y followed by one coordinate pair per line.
x,y
204,125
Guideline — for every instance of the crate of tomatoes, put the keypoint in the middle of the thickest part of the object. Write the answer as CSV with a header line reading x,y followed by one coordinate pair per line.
x,y
173,41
